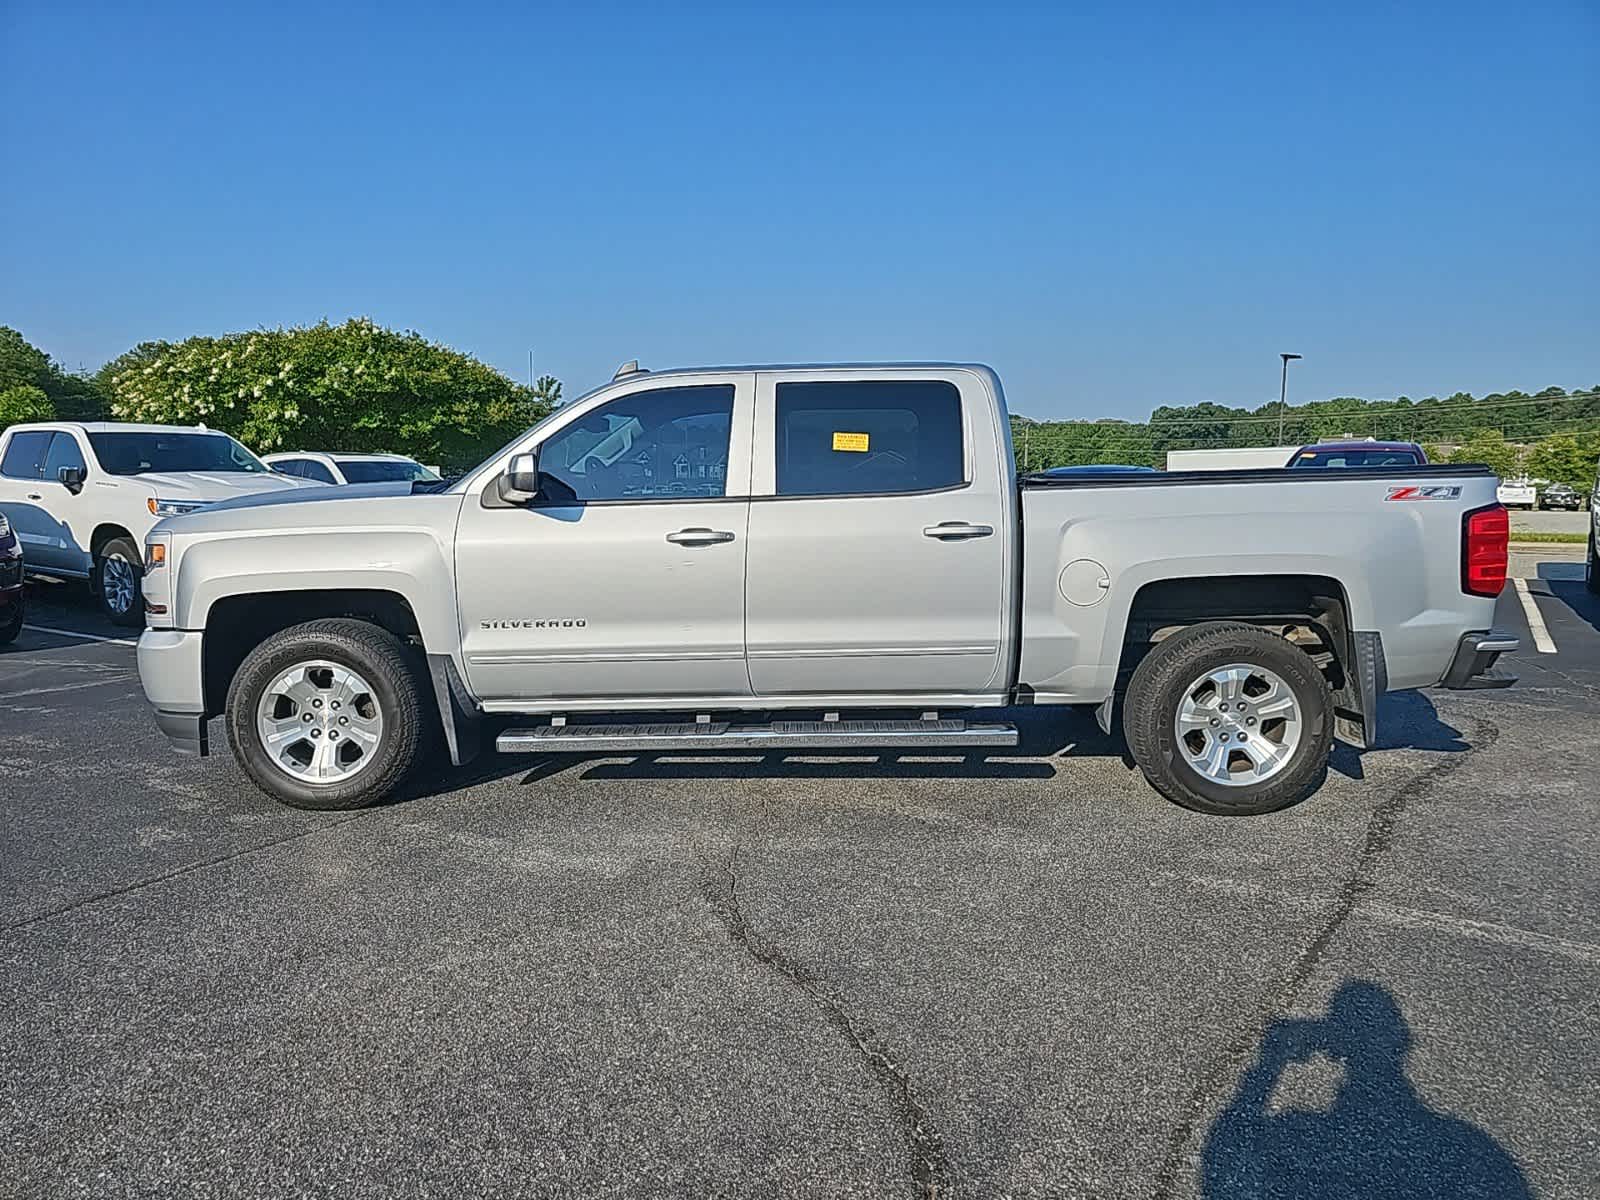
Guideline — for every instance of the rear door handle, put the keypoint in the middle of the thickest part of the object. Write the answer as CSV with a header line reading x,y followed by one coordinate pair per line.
x,y
699,537
955,531
35,496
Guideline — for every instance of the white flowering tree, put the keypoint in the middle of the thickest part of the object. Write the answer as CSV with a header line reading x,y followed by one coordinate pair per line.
x,y
350,387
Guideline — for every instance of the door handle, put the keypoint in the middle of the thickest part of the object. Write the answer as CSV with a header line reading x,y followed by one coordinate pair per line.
x,y
699,537
35,496
955,531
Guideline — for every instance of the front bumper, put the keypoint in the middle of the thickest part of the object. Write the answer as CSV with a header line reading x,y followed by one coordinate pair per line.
x,y
1473,664
171,670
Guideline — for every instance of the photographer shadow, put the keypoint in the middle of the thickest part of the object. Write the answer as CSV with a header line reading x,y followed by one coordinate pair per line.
x,y
1376,1137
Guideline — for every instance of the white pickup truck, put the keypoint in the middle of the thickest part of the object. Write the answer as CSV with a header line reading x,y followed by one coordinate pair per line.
x,y
812,558
81,496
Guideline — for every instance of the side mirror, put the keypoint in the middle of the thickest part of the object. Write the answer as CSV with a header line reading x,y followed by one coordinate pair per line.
x,y
71,478
520,482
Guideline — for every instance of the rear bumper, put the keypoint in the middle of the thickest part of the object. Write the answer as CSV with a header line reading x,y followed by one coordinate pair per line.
x,y
1473,664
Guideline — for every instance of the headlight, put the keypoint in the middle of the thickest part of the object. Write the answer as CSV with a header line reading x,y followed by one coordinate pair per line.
x,y
5,525
172,508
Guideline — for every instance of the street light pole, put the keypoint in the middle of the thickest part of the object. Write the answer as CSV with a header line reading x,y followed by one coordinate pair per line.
x,y
1283,392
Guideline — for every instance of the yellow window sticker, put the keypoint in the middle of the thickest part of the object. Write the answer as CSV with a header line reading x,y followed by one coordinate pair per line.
x,y
850,441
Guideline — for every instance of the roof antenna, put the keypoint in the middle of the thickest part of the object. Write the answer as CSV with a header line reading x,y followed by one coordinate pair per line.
x,y
631,367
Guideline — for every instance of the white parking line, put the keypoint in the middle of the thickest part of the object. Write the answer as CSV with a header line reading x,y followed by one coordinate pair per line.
x,y
1536,626
89,637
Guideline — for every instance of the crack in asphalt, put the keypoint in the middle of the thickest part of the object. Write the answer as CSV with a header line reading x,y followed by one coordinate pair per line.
x,y
176,872
929,1167
1381,827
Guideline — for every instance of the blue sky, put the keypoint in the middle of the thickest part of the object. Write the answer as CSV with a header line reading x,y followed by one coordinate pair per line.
x,y
1116,206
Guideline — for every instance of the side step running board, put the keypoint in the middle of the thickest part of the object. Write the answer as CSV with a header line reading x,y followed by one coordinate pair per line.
x,y
776,735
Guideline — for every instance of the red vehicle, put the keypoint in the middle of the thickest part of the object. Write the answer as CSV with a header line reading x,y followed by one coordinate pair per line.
x,y
1359,454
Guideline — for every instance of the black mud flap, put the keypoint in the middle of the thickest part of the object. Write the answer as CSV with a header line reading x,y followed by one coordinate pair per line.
x,y
1355,705
458,712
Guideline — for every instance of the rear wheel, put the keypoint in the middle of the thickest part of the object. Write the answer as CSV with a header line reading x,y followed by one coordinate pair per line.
x,y
1591,574
1229,719
117,572
327,715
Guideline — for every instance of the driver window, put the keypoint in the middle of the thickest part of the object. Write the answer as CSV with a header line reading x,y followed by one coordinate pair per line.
x,y
665,444
64,452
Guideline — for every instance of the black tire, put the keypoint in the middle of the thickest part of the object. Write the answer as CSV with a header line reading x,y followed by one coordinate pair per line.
x,y
1159,686
11,625
122,549
388,666
1591,573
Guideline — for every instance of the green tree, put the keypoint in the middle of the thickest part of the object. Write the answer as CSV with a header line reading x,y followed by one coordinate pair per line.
x,y
24,402
352,387
74,397
547,391
1489,446
1565,458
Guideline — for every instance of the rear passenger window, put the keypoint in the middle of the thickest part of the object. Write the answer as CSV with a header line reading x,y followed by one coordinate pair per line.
x,y
872,437
312,469
25,454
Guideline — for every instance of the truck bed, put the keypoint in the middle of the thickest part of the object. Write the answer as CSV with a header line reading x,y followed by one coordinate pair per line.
x,y
1384,540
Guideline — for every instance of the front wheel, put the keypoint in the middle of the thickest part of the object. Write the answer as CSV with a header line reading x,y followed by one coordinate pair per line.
x,y
11,621
327,715
1591,573
117,572
1229,719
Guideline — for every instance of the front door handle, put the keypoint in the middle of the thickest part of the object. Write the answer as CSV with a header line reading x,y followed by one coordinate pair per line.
x,y
699,537
35,496
955,531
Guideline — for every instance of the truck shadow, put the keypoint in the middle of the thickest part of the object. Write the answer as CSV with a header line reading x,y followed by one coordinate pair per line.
x,y
1564,581
1327,1112
1406,721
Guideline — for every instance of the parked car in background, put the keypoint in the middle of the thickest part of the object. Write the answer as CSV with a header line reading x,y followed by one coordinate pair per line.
x,y
318,467
1358,454
11,597
1517,493
793,543
1560,495
81,497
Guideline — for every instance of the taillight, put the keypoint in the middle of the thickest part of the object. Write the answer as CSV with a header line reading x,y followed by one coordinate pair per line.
x,y
1485,547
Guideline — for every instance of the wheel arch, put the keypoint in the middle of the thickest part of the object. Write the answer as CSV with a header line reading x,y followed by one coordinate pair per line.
x,y
1311,611
107,531
236,624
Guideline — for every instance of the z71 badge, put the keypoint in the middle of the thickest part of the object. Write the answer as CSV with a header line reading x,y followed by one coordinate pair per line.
x,y
1415,492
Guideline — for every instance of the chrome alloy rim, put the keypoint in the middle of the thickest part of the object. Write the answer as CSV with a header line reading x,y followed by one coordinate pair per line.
x,y
319,722
1238,725
116,583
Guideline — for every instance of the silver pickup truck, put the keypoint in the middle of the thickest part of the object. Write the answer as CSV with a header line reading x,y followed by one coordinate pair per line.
x,y
815,558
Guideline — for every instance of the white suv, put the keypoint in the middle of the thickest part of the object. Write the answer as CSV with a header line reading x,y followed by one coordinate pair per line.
x,y
317,467
82,497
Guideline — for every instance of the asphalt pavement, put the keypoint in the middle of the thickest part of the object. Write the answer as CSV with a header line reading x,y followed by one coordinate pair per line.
x,y
990,975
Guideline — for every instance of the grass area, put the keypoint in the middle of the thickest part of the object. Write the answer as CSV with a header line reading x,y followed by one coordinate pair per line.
x,y
1575,539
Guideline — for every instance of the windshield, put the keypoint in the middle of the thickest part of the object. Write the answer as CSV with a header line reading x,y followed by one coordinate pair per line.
x,y
1356,458
376,470
141,453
